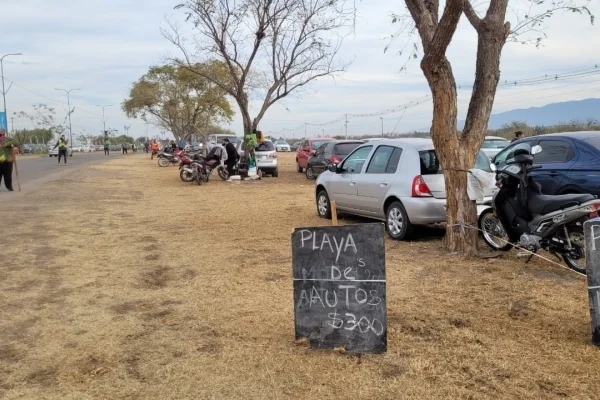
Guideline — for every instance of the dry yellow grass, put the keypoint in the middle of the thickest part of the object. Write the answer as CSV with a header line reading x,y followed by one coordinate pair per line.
x,y
122,282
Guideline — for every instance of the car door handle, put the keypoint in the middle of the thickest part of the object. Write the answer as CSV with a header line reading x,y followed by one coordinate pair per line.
x,y
553,173
352,183
383,184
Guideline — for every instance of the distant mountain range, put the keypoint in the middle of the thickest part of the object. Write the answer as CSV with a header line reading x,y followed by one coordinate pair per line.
x,y
550,114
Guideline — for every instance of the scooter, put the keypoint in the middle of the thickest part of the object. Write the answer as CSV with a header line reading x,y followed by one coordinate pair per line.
x,y
521,215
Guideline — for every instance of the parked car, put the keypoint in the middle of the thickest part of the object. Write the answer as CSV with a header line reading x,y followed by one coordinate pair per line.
x,y
294,147
398,181
493,145
331,152
569,164
214,140
282,145
266,158
306,149
28,149
52,152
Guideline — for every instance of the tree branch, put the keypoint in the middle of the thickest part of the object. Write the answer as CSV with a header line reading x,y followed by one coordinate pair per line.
x,y
471,14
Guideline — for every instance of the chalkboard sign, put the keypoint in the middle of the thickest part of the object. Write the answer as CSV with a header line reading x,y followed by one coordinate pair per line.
x,y
339,287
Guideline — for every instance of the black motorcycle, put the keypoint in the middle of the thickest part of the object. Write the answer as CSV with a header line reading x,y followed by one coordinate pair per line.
x,y
521,215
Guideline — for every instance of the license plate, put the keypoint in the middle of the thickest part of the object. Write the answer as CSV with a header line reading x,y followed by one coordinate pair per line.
x,y
263,157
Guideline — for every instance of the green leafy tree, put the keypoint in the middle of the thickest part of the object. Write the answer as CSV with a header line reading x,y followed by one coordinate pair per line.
x,y
177,100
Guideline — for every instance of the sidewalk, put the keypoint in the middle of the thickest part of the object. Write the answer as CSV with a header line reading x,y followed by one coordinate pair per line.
x,y
122,282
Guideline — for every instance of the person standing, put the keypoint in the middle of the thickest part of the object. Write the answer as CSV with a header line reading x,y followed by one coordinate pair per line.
x,y
107,148
182,144
232,155
62,148
7,158
154,146
518,136
124,148
146,147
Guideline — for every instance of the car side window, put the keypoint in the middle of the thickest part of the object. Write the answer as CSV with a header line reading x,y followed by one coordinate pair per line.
x,y
355,161
320,151
384,161
502,157
554,151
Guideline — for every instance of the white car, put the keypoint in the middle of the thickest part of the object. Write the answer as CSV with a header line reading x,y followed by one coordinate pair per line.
x,y
398,181
266,158
282,145
493,145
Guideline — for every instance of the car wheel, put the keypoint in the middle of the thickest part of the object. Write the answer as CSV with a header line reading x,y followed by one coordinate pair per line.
x,y
275,173
396,222
310,174
323,204
299,168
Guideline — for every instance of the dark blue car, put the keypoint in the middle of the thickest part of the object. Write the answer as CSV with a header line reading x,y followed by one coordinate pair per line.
x,y
570,161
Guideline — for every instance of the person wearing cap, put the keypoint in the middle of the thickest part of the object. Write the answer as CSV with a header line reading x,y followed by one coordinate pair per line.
x,y
62,148
7,158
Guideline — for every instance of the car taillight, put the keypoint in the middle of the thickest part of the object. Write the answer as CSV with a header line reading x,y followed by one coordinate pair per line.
x,y
335,159
419,188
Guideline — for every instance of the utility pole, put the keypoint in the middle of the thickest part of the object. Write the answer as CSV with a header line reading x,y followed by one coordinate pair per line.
x,y
323,131
69,114
346,125
381,118
12,125
104,119
4,91
305,124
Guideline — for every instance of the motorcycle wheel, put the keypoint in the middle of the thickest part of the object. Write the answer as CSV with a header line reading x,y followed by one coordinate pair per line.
x,y
186,176
163,162
204,175
493,232
576,261
198,178
223,174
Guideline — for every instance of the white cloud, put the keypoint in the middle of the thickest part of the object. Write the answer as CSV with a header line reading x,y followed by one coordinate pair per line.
x,y
102,47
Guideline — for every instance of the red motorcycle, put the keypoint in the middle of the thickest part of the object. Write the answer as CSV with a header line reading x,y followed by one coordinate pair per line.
x,y
185,171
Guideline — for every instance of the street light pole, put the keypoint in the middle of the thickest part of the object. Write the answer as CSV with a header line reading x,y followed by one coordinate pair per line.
x,y
381,118
4,90
104,119
69,114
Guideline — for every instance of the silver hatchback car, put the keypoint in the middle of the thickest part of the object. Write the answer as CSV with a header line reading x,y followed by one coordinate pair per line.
x,y
398,181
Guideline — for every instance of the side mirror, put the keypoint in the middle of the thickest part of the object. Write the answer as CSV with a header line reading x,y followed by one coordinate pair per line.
x,y
333,167
493,167
536,149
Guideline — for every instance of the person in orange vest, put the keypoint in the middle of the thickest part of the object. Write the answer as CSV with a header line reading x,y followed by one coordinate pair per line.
x,y
154,147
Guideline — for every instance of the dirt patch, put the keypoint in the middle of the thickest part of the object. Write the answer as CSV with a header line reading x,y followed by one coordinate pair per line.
x,y
43,377
157,278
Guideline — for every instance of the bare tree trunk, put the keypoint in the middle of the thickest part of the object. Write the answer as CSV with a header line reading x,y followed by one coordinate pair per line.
x,y
455,157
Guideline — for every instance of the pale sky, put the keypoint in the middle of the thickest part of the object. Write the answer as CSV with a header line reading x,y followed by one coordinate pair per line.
x,y
104,46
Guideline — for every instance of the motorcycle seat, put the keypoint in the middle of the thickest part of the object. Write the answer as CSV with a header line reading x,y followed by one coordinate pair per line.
x,y
545,204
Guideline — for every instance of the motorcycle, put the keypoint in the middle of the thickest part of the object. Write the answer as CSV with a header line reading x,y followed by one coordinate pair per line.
x,y
520,215
186,172
165,159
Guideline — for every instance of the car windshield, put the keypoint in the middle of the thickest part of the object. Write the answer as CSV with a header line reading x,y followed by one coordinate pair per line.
x,y
265,146
430,164
317,143
281,142
495,144
343,149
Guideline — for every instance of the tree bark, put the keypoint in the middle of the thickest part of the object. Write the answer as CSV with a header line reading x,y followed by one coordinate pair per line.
x,y
455,158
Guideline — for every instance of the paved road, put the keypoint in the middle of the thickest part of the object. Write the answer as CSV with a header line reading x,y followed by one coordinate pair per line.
x,y
36,170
